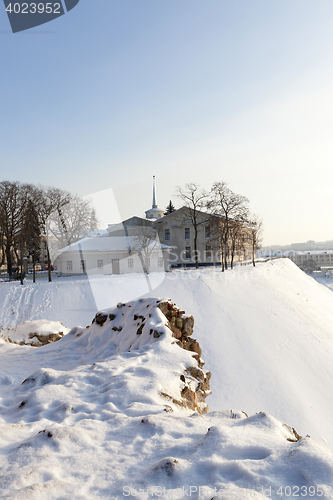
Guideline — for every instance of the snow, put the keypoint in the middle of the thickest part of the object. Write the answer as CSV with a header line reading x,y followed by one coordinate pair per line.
x,y
25,332
104,243
84,417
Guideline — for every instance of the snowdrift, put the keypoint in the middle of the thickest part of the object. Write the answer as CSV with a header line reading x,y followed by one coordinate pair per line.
x,y
35,333
267,335
135,326
97,415
266,332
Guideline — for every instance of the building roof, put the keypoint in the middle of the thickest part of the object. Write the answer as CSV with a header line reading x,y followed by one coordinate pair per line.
x,y
309,252
105,244
179,211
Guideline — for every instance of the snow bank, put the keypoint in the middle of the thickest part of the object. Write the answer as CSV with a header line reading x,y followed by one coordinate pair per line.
x,y
86,435
135,326
268,339
87,418
266,332
35,333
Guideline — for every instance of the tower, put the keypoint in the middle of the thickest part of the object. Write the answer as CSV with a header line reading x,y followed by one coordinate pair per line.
x,y
154,212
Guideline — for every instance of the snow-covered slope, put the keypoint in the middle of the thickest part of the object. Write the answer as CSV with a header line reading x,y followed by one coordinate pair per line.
x,y
86,418
138,326
267,335
266,332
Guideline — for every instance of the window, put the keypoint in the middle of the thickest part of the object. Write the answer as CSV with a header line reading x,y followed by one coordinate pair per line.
x,y
207,232
130,263
208,252
167,235
69,265
187,252
83,265
100,264
187,233
160,262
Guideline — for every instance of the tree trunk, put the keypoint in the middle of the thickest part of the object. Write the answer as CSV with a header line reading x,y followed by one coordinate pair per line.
x,y
21,273
196,247
34,267
232,258
3,253
225,255
9,260
48,262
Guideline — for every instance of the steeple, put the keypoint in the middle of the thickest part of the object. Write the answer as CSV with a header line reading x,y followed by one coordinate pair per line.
x,y
154,212
154,193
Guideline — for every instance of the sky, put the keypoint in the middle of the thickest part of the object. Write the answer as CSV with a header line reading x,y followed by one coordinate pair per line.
x,y
117,91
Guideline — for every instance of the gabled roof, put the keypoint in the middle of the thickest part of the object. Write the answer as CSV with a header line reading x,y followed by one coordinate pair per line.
x,y
134,221
104,244
178,211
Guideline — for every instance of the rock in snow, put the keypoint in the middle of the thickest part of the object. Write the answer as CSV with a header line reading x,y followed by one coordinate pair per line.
x,y
35,333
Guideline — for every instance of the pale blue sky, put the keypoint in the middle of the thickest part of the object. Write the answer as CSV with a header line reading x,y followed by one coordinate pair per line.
x,y
119,90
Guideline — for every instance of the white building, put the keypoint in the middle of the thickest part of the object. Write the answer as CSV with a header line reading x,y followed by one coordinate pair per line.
x,y
110,255
131,246
317,258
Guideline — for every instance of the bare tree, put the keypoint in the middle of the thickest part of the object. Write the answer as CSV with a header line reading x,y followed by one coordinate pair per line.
x,y
145,241
13,201
213,223
2,248
236,240
32,234
27,212
72,221
233,208
255,232
195,199
46,202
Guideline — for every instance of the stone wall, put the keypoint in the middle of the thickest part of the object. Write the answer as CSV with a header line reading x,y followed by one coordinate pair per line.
x,y
182,326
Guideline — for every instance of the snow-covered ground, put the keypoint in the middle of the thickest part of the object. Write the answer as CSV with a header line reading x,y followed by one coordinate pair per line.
x,y
83,418
36,333
326,282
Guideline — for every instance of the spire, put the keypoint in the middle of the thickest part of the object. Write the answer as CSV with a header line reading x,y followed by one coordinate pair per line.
x,y
154,212
154,193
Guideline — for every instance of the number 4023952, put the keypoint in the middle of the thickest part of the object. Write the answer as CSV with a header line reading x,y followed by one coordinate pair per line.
x,y
34,8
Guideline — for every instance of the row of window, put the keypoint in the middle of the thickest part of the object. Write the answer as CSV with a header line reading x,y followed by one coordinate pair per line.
x,y
167,233
327,257
208,251
100,264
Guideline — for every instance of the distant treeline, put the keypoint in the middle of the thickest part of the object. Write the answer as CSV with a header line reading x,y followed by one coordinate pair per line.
x,y
29,213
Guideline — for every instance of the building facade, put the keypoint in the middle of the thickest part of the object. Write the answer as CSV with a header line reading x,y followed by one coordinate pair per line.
x,y
178,230
313,258
111,255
